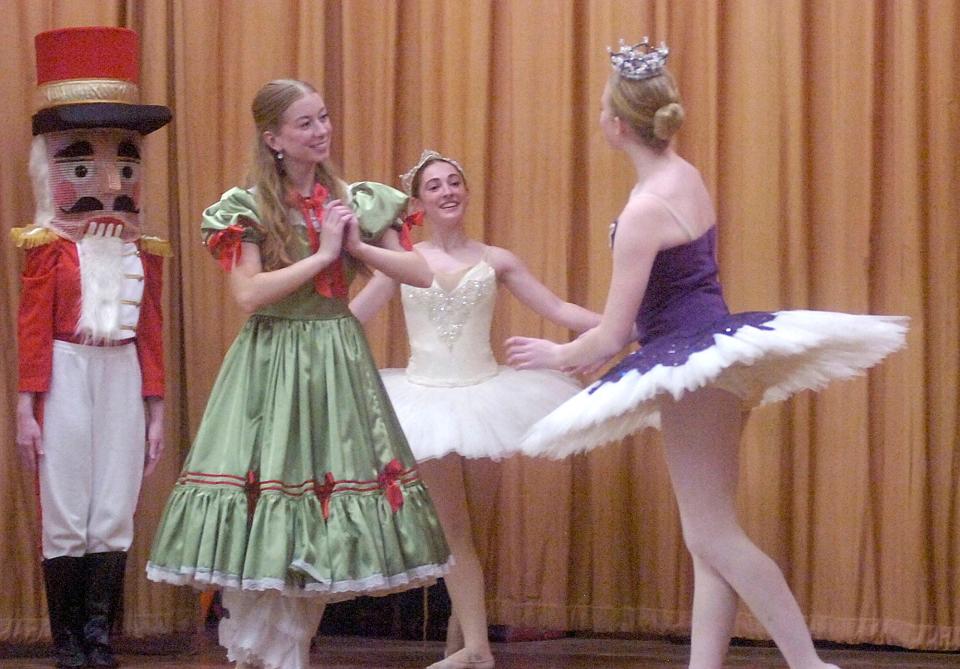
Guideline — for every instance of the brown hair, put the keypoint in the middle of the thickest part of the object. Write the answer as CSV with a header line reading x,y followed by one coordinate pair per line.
x,y
266,171
650,107
415,182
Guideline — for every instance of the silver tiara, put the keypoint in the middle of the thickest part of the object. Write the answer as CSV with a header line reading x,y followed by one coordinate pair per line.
x,y
428,155
639,61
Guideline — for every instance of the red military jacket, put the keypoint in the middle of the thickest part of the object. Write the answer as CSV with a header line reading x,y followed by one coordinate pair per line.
x,y
50,307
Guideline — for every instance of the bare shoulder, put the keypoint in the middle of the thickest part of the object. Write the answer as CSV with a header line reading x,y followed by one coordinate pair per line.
x,y
501,259
673,208
451,260
507,265
643,214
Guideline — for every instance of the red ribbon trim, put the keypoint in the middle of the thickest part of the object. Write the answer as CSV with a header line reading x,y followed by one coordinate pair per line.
x,y
253,493
225,245
416,218
389,480
331,281
325,492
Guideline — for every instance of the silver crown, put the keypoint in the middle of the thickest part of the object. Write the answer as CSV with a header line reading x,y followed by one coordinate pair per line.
x,y
428,155
639,61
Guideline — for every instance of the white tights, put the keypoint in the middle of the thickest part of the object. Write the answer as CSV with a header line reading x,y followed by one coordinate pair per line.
x,y
444,479
701,436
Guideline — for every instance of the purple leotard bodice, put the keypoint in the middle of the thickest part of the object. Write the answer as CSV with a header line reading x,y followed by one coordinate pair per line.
x,y
682,309
683,293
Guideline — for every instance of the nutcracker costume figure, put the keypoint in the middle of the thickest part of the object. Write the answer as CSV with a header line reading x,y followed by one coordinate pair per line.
x,y
90,402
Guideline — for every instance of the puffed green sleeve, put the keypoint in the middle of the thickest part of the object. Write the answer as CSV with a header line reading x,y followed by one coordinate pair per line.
x,y
228,222
378,207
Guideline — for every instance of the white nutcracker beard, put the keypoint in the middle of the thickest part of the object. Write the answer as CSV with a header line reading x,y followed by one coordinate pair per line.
x,y
40,176
101,277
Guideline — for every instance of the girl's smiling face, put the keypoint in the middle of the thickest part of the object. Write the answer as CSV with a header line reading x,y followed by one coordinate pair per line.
x,y
442,193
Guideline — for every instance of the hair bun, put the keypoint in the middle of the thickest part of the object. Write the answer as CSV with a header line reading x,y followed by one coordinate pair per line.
x,y
667,120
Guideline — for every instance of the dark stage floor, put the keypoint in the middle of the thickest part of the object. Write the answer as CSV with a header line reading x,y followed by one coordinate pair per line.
x,y
567,653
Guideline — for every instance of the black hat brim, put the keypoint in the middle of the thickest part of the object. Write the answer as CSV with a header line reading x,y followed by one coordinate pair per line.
x,y
142,118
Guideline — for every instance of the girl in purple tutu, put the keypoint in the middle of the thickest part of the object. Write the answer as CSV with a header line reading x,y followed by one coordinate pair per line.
x,y
699,368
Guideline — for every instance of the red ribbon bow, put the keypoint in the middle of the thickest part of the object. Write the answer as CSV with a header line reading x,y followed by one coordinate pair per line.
x,y
324,491
416,218
225,245
316,200
389,480
330,281
252,488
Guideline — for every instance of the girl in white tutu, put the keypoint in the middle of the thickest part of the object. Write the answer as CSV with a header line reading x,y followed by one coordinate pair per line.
x,y
453,400
699,368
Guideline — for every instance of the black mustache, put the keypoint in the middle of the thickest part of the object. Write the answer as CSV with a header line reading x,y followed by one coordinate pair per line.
x,y
85,204
125,203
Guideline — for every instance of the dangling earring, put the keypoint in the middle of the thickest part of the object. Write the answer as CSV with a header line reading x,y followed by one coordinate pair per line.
x,y
280,156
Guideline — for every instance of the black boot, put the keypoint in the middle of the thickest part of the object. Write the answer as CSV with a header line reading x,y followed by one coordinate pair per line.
x,y
104,593
64,578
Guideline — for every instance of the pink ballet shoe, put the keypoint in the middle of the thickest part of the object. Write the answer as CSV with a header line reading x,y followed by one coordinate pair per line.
x,y
463,660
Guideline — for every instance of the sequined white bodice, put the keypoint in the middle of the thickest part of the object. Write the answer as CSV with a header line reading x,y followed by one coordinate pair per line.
x,y
449,329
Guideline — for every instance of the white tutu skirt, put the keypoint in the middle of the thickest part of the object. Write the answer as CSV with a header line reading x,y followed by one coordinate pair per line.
x,y
482,420
761,357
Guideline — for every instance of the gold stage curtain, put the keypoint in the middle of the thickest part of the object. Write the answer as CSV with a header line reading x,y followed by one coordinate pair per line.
x,y
826,131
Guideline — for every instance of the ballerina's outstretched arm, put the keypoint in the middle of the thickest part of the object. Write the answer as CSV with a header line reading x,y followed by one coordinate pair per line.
x,y
518,279
643,229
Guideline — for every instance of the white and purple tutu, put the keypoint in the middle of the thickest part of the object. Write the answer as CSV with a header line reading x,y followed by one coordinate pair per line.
x,y
689,340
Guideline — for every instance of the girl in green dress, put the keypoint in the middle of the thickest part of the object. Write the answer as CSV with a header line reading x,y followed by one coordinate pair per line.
x,y
300,487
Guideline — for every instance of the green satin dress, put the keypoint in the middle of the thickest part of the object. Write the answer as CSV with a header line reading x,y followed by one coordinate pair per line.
x,y
300,479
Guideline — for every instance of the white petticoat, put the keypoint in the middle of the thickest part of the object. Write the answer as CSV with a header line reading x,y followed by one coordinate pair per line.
x,y
482,420
795,350
269,630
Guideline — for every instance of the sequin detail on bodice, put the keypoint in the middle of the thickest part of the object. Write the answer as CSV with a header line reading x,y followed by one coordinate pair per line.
x,y
449,331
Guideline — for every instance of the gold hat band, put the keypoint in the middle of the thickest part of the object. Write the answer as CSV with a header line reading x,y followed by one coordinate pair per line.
x,y
75,91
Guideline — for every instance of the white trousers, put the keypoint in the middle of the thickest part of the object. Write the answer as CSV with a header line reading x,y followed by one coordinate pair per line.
x,y
266,629
94,440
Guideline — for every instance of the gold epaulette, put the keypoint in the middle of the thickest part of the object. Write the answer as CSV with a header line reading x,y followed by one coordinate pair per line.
x,y
156,246
32,236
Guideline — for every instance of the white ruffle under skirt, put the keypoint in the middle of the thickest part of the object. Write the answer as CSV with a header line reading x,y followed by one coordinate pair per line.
x,y
483,420
268,629
373,586
792,351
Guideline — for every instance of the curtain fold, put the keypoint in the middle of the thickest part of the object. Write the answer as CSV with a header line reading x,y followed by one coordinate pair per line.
x,y
825,129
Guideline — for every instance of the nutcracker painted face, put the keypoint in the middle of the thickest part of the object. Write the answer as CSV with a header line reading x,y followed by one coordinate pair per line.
x,y
88,131
94,177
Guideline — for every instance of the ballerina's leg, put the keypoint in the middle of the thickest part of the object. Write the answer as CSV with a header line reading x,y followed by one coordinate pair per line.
x,y
701,436
444,479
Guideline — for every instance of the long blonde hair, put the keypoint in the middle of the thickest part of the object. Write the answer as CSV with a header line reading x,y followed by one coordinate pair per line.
x,y
651,107
266,171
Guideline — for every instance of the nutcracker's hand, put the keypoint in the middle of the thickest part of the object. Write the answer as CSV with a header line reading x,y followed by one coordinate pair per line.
x,y
99,228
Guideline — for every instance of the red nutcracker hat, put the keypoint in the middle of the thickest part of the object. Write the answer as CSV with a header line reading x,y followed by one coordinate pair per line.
x,y
88,78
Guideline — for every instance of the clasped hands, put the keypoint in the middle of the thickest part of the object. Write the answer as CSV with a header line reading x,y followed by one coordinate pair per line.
x,y
339,228
534,353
